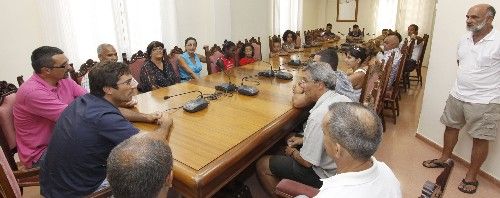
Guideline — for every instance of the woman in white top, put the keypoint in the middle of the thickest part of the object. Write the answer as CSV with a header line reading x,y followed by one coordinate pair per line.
x,y
356,59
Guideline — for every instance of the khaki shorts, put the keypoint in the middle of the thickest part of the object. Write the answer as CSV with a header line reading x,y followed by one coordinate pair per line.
x,y
481,121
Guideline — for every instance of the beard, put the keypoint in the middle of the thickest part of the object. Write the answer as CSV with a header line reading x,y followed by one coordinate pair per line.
x,y
477,27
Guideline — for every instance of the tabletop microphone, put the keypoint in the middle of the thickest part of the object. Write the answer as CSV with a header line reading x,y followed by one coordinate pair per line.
x,y
267,73
224,87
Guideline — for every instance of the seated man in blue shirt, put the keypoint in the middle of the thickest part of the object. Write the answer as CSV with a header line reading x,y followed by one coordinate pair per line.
x,y
87,131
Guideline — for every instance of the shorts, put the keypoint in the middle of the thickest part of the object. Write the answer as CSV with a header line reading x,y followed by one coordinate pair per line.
x,y
481,121
286,167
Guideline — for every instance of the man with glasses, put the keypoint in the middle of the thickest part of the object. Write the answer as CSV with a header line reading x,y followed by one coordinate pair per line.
x,y
40,101
310,163
89,128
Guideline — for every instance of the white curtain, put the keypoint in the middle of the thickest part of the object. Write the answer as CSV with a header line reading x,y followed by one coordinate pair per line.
x,y
79,26
386,15
287,15
419,12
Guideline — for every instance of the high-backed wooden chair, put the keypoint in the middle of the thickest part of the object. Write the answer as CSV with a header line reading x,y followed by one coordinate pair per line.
x,y
84,69
173,58
391,98
437,189
135,64
418,69
12,182
20,80
212,54
257,47
271,39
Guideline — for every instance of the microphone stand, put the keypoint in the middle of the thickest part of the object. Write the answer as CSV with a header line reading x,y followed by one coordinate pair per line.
x,y
225,87
267,73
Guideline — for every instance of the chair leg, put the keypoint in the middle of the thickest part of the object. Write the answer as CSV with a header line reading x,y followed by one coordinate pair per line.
x,y
419,75
393,109
397,107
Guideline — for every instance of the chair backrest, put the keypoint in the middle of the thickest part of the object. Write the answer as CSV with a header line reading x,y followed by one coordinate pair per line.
x,y
271,38
8,183
256,47
212,55
135,64
436,189
376,84
7,130
422,53
173,58
405,53
298,40
20,80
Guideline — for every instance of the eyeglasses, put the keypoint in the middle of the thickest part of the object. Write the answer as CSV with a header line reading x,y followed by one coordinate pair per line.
x,y
357,48
305,80
128,82
64,65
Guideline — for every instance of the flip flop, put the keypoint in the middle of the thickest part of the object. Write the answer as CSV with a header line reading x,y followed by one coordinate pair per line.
x,y
465,183
434,163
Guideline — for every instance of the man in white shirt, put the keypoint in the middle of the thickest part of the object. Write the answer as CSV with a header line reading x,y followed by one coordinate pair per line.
x,y
391,44
474,102
352,134
413,61
311,163
105,53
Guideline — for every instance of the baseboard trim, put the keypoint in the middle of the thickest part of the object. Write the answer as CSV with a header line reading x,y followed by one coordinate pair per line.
x,y
458,159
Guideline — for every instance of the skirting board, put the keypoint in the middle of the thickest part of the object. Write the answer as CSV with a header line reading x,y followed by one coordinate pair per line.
x,y
459,160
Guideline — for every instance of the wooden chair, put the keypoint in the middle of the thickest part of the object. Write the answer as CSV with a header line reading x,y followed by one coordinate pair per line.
x,y
298,40
288,189
436,189
84,69
271,39
124,58
7,131
20,80
135,64
391,97
257,47
12,182
212,55
418,69
173,58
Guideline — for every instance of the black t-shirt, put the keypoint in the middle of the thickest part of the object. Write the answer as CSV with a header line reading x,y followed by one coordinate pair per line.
x,y
84,135
355,33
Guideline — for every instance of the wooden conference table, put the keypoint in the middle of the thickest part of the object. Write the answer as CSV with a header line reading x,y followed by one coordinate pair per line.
x,y
212,146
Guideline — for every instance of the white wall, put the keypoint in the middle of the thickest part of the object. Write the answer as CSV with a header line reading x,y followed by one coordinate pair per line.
x,y
449,28
20,35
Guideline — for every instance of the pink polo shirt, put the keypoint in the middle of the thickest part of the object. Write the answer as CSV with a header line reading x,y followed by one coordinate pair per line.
x,y
36,110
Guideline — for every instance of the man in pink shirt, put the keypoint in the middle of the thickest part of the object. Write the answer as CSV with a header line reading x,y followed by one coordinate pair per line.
x,y
40,100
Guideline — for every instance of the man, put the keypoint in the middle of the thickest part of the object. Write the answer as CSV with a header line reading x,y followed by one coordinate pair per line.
x,y
105,53
352,134
342,86
356,35
140,167
310,163
474,102
391,44
75,161
412,62
328,34
40,101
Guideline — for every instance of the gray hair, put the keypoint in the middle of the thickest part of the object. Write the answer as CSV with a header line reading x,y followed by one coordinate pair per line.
x,y
356,128
322,72
491,11
101,47
139,167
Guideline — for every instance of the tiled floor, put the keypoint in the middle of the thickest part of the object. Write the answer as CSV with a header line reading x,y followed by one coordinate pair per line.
x,y
403,152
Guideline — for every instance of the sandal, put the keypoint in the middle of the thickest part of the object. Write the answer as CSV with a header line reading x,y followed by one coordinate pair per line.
x,y
465,183
434,163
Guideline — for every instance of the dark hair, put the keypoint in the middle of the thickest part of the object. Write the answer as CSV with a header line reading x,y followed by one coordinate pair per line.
x,y
276,40
152,45
226,46
415,27
188,39
397,35
242,50
285,35
328,24
358,52
329,56
42,57
139,167
355,26
491,11
356,128
106,74
322,72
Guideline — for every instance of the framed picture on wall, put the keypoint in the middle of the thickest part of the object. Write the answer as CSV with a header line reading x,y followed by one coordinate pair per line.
x,y
347,10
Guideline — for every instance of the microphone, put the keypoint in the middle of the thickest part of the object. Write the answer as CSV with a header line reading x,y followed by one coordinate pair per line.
x,y
283,75
224,87
267,73
192,106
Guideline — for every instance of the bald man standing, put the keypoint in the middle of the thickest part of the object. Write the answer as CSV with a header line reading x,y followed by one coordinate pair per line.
x,y
473,105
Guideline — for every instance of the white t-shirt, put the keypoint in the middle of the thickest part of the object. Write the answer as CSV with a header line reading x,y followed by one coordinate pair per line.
x,y
377,181
478,75
312,149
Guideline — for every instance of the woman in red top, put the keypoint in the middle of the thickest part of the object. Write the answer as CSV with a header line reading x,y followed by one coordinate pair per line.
x,y
228,49
246,54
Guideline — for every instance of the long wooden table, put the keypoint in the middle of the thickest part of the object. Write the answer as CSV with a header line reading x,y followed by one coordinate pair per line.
x,y
212,146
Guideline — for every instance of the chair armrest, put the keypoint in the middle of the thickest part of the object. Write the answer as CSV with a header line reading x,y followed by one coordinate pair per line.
x,y
103,193
28,173
289,188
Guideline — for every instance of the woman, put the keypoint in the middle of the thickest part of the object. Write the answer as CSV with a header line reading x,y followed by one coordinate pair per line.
x,y
289,38
156,72
357,59
190,62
